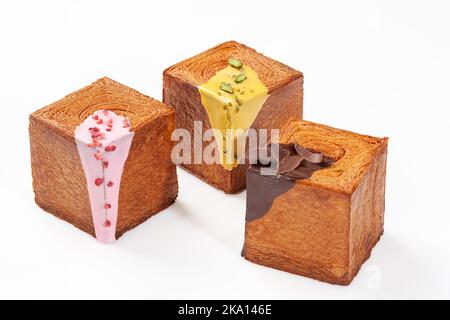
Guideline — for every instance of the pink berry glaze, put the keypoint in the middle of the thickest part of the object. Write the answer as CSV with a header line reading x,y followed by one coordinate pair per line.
x,y
103,143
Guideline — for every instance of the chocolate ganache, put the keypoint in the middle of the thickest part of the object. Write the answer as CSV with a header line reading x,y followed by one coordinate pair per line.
x,y
267,181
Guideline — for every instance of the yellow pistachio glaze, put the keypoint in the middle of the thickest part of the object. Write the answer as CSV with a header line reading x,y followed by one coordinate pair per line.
x,y
232,114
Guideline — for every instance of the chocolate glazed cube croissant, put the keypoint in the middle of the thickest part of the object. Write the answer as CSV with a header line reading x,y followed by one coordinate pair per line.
x,y
231,87
319,219
101,158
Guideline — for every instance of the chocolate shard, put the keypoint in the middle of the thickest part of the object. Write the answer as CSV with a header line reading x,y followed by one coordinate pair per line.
x,y
308,154
305,171
282,155
266,155
289,164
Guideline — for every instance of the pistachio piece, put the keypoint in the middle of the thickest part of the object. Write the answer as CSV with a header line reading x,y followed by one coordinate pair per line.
x,y
240,78
235,63
226,87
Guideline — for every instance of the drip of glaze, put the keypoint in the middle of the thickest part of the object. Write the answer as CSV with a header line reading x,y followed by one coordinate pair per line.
x,y
294,163
232,113
103,142
262,190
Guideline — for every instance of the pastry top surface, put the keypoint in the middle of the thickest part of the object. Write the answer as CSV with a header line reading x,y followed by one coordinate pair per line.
x,y
66,114
202,67
352,152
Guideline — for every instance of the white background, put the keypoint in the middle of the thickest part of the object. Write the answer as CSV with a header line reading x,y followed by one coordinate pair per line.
x,y
375,67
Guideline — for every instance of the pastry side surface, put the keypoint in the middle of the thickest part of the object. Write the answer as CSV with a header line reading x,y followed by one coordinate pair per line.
x,y
325,226
148,182
181,90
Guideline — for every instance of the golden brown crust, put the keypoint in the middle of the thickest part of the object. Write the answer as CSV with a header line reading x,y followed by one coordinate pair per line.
x,y
317,229
367,211
59,183
65,114
149,181
180,91
352,152
202,67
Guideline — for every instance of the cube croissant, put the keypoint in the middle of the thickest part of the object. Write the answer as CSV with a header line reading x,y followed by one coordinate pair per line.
x,y
231,88
322,214
101,158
